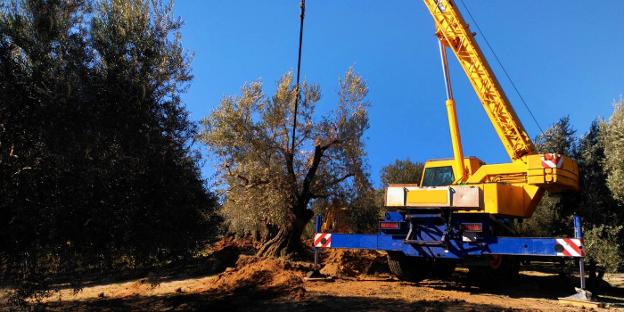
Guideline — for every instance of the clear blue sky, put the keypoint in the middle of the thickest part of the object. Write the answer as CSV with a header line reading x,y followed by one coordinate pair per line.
x,y
565,56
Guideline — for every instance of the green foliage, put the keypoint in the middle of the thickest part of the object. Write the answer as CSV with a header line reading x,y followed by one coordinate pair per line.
x,y
601,245
547,220
594,201
559,138
363,213
402,172
268,186
96,168
602,191
614,151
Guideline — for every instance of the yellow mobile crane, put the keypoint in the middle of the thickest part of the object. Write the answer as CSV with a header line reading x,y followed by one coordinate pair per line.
x,y
460,211
468,184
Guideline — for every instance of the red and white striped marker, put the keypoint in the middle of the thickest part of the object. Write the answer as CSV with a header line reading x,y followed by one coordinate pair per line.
x,y
552,160
572,247
322,240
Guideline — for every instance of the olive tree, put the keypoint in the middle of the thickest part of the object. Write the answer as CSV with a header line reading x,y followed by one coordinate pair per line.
x,y
270,185
613,135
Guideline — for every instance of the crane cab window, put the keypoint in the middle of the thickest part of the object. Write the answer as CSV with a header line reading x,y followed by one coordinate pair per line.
x,y
438,176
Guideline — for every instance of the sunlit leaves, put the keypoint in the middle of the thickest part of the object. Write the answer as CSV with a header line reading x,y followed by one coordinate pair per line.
x,y
614,151
265,181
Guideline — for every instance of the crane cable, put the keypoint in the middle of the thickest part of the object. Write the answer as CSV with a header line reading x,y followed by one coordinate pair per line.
x,y
294,128
502,67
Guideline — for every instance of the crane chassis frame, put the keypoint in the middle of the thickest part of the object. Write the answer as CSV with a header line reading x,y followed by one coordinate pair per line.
x,y
431,235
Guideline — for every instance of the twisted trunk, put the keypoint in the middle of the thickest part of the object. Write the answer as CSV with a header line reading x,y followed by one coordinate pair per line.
x,y
287,241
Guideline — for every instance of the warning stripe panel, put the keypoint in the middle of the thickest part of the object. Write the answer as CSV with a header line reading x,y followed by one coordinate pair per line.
x,y
572,247
322,240
552,160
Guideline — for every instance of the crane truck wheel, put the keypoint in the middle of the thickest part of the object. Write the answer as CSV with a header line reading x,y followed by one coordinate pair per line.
x,y
410,269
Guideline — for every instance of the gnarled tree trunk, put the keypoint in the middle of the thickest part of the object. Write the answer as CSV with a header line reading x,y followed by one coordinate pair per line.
x,y
287,241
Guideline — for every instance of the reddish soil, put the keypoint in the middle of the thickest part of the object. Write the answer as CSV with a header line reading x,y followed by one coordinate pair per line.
x,y
343,263
254,284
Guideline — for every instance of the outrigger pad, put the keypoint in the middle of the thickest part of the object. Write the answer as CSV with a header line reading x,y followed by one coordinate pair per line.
x,y
315,275
581,295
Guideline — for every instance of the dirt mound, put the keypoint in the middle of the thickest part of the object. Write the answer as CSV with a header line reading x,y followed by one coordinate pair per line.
x,y
244,245
265,277
225,252
352,263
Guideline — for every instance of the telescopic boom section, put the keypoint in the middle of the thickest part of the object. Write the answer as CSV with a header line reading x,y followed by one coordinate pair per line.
x,y
454,33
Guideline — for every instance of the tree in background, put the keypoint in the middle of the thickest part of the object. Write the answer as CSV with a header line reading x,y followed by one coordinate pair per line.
x,y
607,229
559,138
96,168
595,202
603,245
402,172
614,151
270,187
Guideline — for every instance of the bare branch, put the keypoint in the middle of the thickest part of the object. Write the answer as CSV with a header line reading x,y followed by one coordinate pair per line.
x,y
247,183
340,179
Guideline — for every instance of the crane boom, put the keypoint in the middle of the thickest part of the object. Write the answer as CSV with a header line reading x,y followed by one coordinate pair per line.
x,y
454,33
468,184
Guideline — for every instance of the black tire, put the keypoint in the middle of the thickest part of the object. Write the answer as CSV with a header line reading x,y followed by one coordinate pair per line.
x,y
411,269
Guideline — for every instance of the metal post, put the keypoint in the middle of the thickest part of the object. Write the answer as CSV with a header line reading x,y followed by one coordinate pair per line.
x,y
318,223
581,293
578,233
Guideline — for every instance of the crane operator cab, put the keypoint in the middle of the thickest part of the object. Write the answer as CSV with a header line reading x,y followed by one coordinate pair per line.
x,y
440,172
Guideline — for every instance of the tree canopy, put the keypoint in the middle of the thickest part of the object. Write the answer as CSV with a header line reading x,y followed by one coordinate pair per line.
x,y
97,168
270,187
559,138
402,172
614,151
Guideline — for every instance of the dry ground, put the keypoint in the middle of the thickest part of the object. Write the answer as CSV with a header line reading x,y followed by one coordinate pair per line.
x,y
276,285
363,294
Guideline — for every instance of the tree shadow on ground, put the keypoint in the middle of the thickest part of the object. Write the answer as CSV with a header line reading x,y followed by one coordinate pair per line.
x,y
182,269
524,286
551,285
311,303
538,286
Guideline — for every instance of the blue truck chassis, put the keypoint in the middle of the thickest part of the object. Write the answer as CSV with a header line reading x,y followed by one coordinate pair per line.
x,y
452,236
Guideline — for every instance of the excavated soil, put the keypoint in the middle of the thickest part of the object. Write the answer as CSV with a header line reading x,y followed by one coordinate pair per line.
x,y
261,278
345,263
